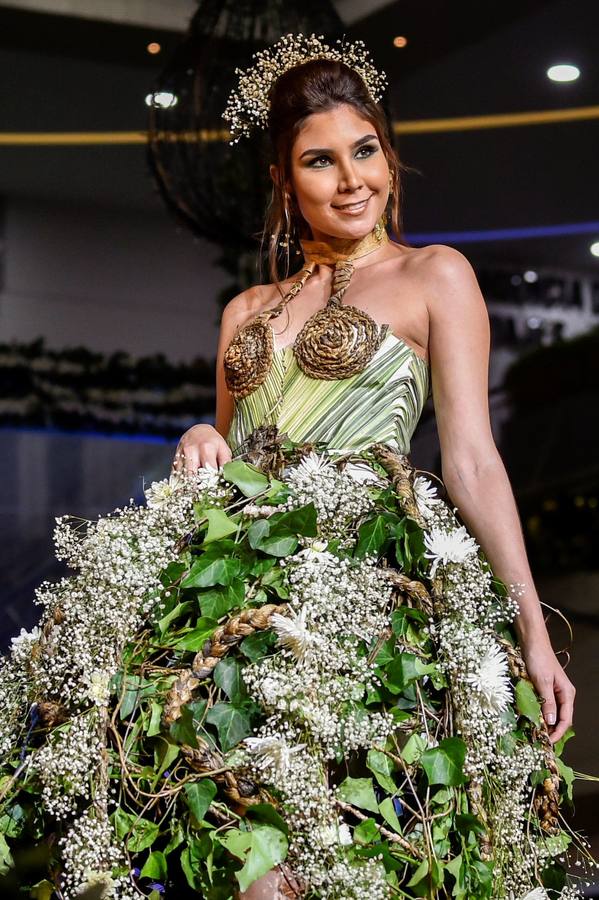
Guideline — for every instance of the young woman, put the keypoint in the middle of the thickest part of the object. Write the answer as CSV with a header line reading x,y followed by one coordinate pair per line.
x,y
294,672
334,175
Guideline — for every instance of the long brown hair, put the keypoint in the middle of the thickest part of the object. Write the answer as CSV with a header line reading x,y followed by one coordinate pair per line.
x,y
315,86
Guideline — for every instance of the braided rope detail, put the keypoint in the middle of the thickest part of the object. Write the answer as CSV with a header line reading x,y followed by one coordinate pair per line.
x,y
339,340
546,795
207,760
402,474
248,357
226,636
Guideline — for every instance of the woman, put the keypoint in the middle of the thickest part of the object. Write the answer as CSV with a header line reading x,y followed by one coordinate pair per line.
x,y
294,672
334,174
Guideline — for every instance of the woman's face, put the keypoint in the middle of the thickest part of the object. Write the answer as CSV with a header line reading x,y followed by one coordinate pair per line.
x,y
337,160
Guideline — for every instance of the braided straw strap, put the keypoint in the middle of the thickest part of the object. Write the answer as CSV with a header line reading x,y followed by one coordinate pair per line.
x,y
226,636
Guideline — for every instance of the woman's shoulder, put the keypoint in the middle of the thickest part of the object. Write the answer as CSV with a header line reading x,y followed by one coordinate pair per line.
x,y
435,258
254,300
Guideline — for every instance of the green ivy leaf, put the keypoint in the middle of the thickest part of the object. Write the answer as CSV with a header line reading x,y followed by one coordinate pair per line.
x,y
228,677
367,832
143,834
413,748
303,520
232,724
390,816
175,613
527,701
359,792
444,764
382,768
404,668
219,525
207,571
199,796
372,535
256,646
196,638
6,860
217,601
155,866
249,479
268,848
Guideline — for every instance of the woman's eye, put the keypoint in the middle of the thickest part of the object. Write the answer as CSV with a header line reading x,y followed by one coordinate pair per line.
x,y
370,148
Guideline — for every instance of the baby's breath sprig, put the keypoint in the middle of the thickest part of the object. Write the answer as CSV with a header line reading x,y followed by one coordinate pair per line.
x,y
248,105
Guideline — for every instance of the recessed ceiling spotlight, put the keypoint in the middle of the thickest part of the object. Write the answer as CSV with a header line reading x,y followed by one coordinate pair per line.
x,y
154,47
563,72
162,100
594,248
530,276
400,41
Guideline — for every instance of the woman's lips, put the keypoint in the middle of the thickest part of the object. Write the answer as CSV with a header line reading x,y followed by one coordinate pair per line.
x,y
354,209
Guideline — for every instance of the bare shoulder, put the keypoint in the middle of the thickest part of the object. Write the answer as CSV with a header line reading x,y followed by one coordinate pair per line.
x,y
439,262
250,302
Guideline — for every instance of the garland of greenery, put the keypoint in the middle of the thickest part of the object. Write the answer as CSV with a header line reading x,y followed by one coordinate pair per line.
x,y
77,388
293,659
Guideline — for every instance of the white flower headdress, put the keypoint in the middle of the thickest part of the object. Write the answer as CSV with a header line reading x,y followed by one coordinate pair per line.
x,y
249,103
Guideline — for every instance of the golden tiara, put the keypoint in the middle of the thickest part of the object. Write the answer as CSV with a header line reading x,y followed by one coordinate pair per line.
x,y
249,103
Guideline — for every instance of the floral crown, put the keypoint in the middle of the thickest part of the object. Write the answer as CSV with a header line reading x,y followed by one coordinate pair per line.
x,y
249,103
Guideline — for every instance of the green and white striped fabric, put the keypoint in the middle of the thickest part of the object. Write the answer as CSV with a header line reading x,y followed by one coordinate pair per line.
x,y
382,403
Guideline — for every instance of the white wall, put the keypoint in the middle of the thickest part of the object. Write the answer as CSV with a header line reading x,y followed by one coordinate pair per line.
x,y
111,280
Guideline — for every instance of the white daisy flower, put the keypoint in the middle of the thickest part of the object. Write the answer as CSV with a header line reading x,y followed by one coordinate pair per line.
x,y
425,494
26,637
538,894
335,834
448,546
272,752
292,632
492,681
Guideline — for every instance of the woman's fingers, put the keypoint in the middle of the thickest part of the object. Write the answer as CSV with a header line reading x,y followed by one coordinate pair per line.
x,y
565,693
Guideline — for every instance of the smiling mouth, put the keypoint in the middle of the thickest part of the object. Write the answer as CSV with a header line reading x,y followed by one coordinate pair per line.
x,y
355,205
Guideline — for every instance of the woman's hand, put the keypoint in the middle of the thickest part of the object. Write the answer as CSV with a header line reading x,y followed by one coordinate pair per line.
x,y
200,446
553,684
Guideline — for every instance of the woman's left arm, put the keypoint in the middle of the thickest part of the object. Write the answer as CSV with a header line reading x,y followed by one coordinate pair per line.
x,y
472,468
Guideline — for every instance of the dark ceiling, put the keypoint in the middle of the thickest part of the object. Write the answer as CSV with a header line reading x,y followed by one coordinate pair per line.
x,y
463,59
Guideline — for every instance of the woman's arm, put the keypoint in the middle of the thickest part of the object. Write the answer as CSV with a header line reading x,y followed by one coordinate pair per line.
x,y
203,444
472,468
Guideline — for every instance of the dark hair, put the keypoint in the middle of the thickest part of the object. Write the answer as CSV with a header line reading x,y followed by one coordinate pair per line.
x,y
310,87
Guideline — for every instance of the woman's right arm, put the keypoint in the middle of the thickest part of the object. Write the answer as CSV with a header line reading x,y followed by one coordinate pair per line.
x,y
203,444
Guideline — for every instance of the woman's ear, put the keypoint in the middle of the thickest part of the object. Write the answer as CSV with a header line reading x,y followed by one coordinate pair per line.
x,y
274,172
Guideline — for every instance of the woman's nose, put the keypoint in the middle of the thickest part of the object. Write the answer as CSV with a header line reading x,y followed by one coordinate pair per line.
x,y
350,178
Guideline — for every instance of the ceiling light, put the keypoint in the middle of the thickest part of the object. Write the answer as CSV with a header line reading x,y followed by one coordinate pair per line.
x,y
162,100
530,276
563,72
400,41
594,248
154,47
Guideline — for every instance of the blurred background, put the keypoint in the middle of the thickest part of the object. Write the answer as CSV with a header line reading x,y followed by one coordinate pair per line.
x,y
126,220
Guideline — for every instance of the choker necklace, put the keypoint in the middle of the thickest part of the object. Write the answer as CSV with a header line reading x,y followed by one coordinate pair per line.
x,y
336,249
338,341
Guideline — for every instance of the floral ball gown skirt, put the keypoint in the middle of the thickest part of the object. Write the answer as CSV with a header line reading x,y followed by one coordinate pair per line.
x,y
301,663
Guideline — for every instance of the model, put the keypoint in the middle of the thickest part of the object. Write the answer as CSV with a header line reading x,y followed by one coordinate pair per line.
x,y
304,668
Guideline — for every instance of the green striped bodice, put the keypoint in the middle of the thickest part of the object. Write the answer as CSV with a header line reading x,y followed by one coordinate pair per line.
x,y
382,403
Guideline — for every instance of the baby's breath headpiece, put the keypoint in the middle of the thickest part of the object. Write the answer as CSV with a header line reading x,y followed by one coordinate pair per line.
x,y
249,103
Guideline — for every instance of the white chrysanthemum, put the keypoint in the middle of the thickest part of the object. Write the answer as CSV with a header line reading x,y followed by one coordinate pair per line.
x,y
448,546
272,752
425,494
160,492
491,680
311,464
27,636
362,472
98,690
292,632
538,894
345,836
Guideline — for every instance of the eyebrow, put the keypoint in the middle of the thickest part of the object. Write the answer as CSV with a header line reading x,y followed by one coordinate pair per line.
x,y
322,150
